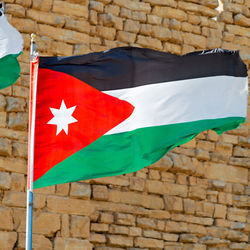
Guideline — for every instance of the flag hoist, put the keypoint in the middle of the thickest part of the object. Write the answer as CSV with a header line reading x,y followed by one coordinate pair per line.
x,y
32,113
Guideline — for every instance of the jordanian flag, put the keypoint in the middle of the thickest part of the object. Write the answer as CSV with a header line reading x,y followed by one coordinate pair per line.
x,y
11,46
115,112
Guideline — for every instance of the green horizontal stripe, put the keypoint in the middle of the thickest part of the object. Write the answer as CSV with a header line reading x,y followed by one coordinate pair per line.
x,y
9,70
129,151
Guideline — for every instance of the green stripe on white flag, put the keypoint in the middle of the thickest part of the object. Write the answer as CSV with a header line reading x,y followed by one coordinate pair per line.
x,y
11,46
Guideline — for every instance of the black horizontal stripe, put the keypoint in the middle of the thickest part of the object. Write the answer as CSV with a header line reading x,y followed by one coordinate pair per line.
x,y
128,67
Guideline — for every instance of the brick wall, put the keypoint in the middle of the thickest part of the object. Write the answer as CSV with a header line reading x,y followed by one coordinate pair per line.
x,y
196,197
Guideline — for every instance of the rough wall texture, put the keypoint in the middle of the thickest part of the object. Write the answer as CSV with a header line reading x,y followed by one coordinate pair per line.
x,y
196,197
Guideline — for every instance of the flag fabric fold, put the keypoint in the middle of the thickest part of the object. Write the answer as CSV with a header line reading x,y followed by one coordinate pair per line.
x,y
11,46
117,111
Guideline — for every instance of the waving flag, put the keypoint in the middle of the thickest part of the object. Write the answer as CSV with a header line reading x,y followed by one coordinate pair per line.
x,y
115,112
11,46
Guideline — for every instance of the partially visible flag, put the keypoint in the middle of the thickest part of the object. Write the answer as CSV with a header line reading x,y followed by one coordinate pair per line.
x,y
118,111
11,46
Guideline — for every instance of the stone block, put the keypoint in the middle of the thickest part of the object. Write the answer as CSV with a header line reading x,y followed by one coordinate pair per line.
x,y
106,218
114,229
134,6
6,219
149,243
97,238
147,201
121,241
205,209
159,187
197,192
226,172
220,211
70,206
236,214
124,219
170,13
72,244
46,223
70,9
189,206
43,5
151,234
80,190
173,203
5,180
7,240
135,231
100,192
80,226
149,42
18,120
189,238
98,227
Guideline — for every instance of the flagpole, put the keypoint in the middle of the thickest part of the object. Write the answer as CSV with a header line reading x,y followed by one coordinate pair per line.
x,y
32,113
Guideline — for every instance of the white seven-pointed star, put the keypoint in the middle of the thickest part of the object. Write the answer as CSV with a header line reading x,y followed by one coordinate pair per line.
x,y
62,118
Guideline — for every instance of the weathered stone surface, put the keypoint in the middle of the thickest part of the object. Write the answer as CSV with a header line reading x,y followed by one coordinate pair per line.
x,y
7,240
73,244
149,243
226,173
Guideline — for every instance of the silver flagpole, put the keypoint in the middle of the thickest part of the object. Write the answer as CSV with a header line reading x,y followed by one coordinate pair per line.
x,y
32,113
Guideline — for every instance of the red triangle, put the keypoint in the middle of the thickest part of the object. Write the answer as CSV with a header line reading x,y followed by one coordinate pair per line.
x,y
96,113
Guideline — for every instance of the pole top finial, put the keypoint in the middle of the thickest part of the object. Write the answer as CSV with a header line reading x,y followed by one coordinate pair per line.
x,y
33,37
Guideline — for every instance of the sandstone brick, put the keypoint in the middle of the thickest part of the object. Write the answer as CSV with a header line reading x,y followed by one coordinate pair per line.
x,y
70,9
7,240
113,9
237,236
235,214
24,25
122,241
134,6
149,243
124,219
205,209
63,35
170,3
153,19
72,244
176,227
38,242
149,42
220,211
80,190
189,206
46,223
173,203
97,238
132,26
151,234
188,238
136,184
126,37
168,12
18,120
47,18
5,180
148,201
100,192
97,6
114,229
238,30
197,192
43,5
65,225
79,226
15,9
71,206
97,227
6,219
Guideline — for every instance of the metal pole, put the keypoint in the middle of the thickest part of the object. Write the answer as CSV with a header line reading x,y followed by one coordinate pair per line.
x,y
32,113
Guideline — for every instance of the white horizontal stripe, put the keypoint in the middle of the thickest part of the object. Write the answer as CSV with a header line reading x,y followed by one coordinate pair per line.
x,y
183,101
11,41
